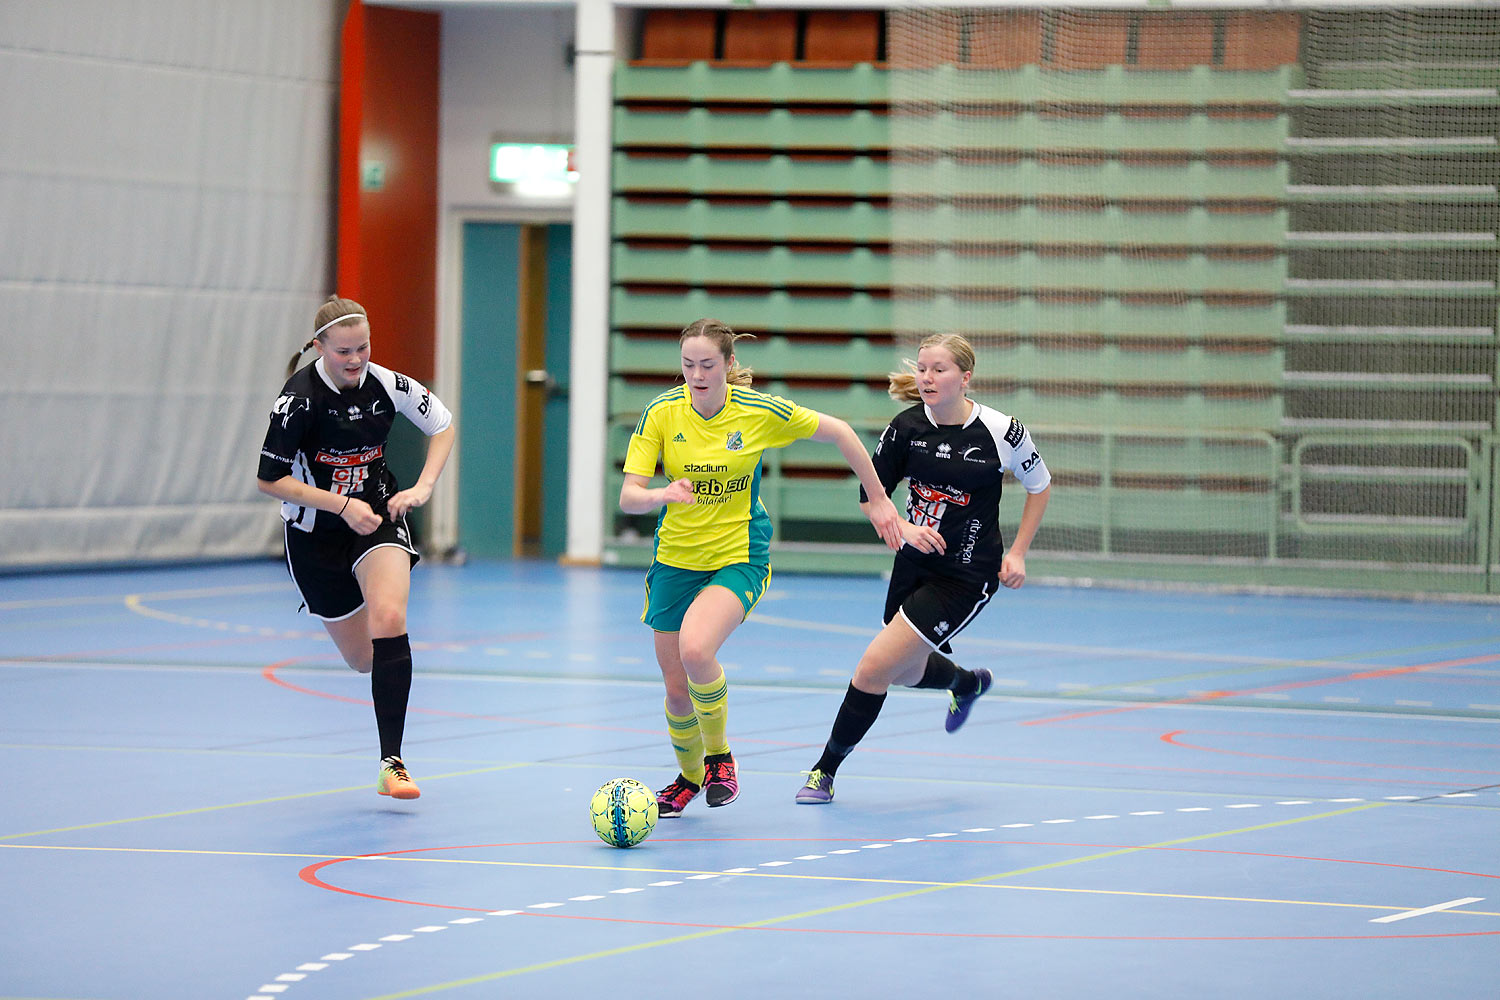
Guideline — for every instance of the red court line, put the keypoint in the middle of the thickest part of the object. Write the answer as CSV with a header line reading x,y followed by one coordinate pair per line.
x,y
1172,740
1359,675
309,874
1312,737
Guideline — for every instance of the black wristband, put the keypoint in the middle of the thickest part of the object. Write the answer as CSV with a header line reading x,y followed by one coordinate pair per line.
x,y
346,505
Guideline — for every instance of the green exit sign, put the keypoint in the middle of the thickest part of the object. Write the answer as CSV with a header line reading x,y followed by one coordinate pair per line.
x,y
531,162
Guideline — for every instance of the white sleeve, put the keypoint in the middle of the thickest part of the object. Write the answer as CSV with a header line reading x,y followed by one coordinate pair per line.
x,y
1017,452
414,399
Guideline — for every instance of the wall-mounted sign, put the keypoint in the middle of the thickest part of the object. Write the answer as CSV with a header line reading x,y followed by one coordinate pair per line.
x,y
372,175
531,163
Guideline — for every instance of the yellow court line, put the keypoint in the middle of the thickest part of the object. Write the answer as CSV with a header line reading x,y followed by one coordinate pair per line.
x,y
771,921
62,602
794,876
242,805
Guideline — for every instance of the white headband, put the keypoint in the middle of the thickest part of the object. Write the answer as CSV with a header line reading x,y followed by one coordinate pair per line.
x,y
336,322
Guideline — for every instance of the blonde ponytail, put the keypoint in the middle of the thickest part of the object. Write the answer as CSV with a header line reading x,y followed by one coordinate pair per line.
x,y
291,366
903,384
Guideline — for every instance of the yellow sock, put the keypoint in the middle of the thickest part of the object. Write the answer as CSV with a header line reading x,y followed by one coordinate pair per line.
x,y
712,703
687,744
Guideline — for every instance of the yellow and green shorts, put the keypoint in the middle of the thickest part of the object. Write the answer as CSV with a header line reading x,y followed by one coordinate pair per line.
x,y
670,591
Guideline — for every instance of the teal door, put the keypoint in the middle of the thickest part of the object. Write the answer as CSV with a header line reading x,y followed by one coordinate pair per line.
x,y
513,408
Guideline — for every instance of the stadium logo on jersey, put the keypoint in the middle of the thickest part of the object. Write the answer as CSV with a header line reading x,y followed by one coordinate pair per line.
x,y
968,455
943,451
403,384
287,405
679,438
735,442
1014,433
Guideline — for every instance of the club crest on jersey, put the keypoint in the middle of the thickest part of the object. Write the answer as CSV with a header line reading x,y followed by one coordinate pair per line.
x,y
735,442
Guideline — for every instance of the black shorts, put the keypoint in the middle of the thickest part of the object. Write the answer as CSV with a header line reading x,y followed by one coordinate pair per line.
x,y
937,606
322,565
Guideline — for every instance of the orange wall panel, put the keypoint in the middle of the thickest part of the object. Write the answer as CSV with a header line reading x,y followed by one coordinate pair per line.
x,y
387,236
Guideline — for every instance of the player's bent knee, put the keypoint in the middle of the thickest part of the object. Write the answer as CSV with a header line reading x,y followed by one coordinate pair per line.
x,y
696,656
387,621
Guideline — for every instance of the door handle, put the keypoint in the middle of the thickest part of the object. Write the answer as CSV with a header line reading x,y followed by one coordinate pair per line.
x,y
543,378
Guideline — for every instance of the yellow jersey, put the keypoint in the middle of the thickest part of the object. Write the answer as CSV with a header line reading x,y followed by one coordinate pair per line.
x,y
721,454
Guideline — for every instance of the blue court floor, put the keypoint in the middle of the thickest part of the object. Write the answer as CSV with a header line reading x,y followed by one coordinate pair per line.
x,y
1166,795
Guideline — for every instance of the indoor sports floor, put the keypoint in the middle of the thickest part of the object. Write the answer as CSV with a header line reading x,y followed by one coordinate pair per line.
x,y
1166,795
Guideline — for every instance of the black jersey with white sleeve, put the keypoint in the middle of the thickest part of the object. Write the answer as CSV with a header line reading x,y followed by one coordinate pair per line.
x,y
335,439
954,473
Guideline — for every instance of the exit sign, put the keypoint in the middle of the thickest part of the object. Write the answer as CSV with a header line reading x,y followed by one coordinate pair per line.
x,y
531,162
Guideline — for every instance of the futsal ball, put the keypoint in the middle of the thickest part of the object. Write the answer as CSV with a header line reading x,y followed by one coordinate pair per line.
x,y
623,811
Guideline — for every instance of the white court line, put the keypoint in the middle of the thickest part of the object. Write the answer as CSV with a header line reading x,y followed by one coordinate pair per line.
x,y
1393,917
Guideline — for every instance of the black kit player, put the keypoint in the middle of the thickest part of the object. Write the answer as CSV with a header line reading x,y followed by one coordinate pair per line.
x,y
348,545
954,452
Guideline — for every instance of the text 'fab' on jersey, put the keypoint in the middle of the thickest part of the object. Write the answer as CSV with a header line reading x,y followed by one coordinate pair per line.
x,y
335,439
721,454
954,473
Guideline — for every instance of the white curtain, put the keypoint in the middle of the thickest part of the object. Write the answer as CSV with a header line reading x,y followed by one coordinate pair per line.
x,y
165,218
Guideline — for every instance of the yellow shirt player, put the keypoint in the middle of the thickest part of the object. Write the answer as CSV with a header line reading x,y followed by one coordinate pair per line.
x,y
712,558
721,456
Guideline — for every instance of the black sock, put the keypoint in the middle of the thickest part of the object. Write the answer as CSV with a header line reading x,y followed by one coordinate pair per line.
x,y
943,673
856,715
390,684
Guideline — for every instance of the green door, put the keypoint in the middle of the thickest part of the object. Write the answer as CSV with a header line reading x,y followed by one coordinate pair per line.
x,y
513,410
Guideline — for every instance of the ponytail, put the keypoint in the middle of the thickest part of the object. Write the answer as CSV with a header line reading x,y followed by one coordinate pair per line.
x,y
903,384
291,366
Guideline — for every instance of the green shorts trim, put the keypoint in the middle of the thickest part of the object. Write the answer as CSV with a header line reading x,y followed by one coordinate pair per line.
x,y
671,591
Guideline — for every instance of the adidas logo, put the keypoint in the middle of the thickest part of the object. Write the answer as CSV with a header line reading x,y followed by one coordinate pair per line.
x,y
680,439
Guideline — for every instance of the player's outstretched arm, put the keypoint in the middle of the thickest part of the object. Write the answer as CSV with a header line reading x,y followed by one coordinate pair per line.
x,y
881,512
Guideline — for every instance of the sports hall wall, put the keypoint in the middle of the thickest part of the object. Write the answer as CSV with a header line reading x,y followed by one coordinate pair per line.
x,y
166,181
1241,378
1236,269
